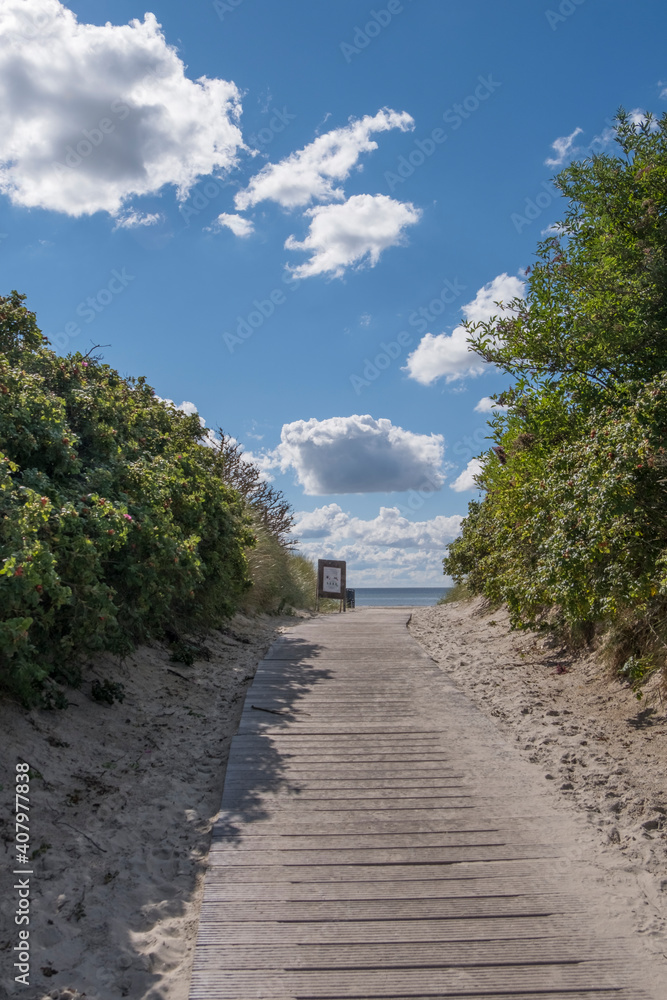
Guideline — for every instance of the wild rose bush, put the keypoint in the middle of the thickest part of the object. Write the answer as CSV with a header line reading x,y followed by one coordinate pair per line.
x,y
114,517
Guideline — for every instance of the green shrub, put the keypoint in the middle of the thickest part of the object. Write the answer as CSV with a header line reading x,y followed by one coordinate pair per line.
x,y
107,692
572,530
114,517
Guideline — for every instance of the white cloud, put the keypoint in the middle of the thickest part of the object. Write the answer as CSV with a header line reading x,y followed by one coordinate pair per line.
x,y
663,91
238,225
449,355
563,146
309,174
503,288
466,481
323,522
358,454
639,117
188,408
92,115
355,232
134,220
387,550
389,528
488,405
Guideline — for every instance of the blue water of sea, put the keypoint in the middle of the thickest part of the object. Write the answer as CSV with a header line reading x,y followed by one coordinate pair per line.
x,y
392,597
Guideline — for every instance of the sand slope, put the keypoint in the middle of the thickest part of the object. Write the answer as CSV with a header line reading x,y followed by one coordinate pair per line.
x,y
120,818
601,752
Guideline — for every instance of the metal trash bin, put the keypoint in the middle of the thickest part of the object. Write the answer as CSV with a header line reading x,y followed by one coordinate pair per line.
x,y
349,597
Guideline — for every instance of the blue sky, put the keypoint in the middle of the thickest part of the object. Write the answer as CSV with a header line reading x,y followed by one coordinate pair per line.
x,y
281,213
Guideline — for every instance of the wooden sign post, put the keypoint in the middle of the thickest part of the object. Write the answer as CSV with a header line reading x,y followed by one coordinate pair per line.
x,y
331,581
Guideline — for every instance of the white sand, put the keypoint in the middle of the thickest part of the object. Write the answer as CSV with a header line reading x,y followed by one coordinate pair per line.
x,y
602,752
121,818
122,814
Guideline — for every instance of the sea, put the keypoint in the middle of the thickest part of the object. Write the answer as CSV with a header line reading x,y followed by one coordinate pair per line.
x,y
393,597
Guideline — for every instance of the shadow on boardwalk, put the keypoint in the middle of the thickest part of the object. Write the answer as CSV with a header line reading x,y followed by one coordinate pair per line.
x,y
256,767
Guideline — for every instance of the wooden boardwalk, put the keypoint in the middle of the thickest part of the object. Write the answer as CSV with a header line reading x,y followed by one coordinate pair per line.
x,y
378,839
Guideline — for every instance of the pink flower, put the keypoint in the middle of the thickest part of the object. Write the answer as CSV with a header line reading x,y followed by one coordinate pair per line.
x,y
128,517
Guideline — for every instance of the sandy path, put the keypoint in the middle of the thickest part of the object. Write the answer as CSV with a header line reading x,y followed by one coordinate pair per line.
x,y
120,819
601,752
121,814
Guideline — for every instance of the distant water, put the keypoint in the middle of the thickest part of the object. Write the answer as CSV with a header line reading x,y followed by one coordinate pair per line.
x,y
391,597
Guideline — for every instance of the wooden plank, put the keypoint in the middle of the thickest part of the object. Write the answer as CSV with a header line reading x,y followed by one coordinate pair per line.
x,y
584,977
526,952
424,908
372,840
222,891
358,855
298,933
367,846
527,873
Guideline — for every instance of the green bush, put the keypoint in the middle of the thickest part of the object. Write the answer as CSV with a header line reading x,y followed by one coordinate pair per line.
x,y
114,516
572,530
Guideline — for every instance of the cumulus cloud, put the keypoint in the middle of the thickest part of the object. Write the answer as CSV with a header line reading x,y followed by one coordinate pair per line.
x,y
355,232
390,527
389,549
488,405
445,355
238,225
323,522
449,355
310,173
503,288
563,146
92,115
358,454
466,481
